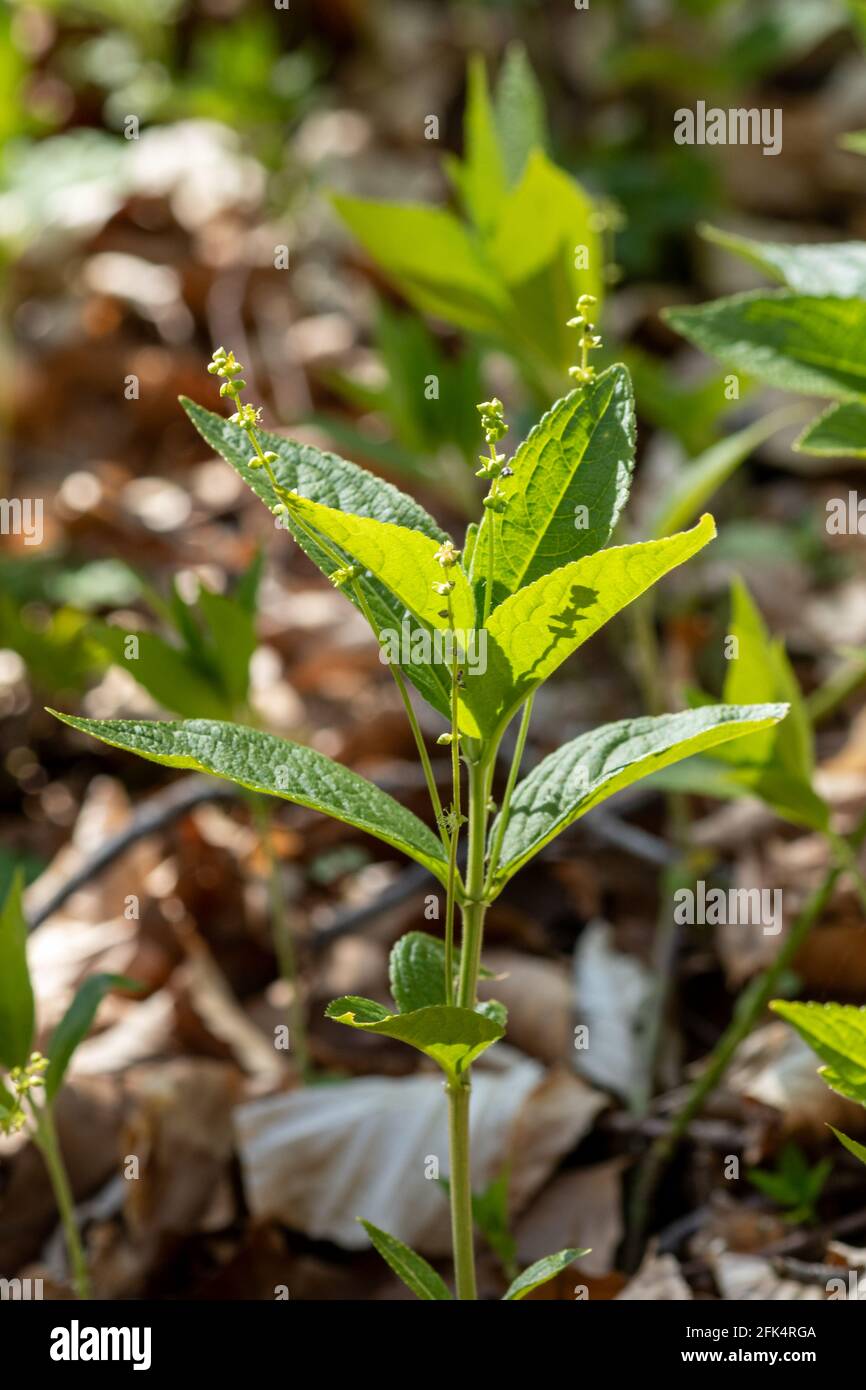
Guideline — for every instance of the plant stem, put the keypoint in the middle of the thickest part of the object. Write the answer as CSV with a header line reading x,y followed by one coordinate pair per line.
x,y
456,813
424,756
749,1008
502,823
458,1092
45,1138
281,935
475,906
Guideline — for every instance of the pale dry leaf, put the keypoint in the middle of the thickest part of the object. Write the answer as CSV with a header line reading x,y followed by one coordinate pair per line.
x,y
540,1003
554,1119
775,1067
659,1280
752,1278
612,991
318,1159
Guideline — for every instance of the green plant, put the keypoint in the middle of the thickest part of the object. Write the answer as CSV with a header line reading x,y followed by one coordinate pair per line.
x,y
32,1080
532,582
808,336
529,242
203,666
776,766
794,1185
837,1032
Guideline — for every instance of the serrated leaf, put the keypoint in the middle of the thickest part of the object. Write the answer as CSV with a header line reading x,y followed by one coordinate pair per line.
x,y
698,480
430,257
417,971
332,481
830,268
541,1273
580,454
520,116
400,558
16,992
858,1150
839,431
837,1032
265,763
592,767
535,629
412,1268
813,344
75,1025
451,1036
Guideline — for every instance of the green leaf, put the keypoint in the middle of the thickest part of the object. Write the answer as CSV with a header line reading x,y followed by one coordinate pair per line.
x,y
233,633
164,672
831,268
430,257
417,971
481,177
839,431
413,1269
265,763
16,992
330,480
451,1036
802,343
7,1101
542,220
789,797
837,1032
592,767
580,454
541,1273
759,671
535,629
520,117
75,1025
398,557
696,483
491,1215
858,1150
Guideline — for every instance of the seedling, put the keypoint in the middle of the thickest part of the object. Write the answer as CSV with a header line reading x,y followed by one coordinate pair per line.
x,y
795,1185
531,587
32,1080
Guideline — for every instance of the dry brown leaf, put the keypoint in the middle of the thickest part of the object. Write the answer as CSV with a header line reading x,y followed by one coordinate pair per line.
x,y
775,1067
578,1209
540,1003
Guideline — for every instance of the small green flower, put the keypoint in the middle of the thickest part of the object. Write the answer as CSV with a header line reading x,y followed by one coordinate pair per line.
x,y
344,575
447,555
